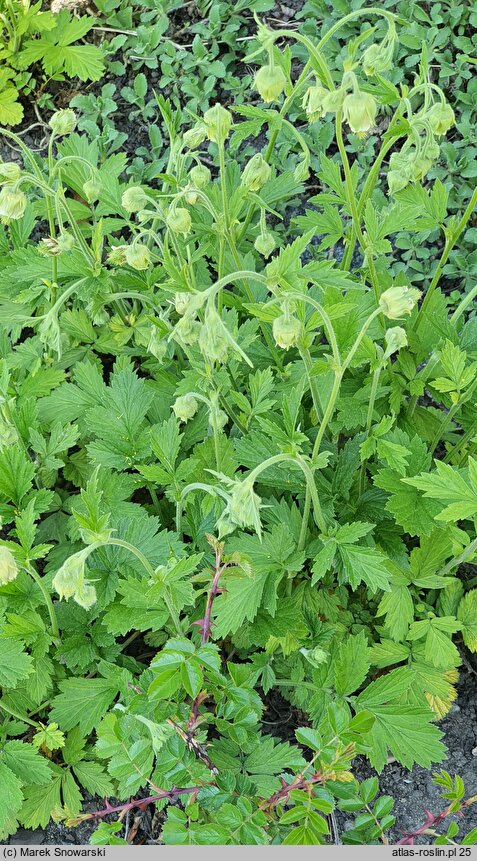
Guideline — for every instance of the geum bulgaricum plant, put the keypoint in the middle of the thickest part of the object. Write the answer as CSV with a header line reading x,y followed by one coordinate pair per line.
x,y
261,468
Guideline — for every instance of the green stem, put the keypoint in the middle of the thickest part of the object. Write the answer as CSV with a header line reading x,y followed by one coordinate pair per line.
x,y
434,359
310,481
304,520
448,246
49,209
463,440
458,560
350,194
366,193
443,427
306,359
55,631
369,421
15,714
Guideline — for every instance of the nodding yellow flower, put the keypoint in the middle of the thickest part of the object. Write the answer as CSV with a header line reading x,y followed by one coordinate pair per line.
x,y
12,204
398,301
270,82
256,173
441,118
286,331
314,102
218,122
8,566
359,111
63,122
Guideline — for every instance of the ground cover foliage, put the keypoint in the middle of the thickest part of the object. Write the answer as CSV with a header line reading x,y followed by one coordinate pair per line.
x,y
230,465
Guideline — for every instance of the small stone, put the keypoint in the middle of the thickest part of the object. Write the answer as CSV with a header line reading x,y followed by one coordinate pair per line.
x,y
474,752
27,837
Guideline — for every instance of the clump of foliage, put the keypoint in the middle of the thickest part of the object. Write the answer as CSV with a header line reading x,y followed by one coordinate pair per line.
x,y
34,38
260,466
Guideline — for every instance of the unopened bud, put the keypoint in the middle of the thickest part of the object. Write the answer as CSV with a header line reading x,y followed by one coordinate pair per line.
x,y
134,199
395,339
178,220
194,136
243,508
218,122
200,175
137,256
92,189
70,576
265,243
256,173
9,172
270,83
441,118
213,341
185,407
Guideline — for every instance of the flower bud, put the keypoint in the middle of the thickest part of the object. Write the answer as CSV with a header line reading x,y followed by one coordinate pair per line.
x,y
420,165
441,118
213,340
191,196
398,301
50,247
187,330
200,175
185,407
359,111
156,345
270,83
302,170
92,189
134,199
117,255
218,122
8,566
218,419
256,173
63,122
395,338
182,302
244,505
378,58
12,204
286,331
70,577
137,256
9,172
313,102
265,243
86,595
178,220
333,101
194,136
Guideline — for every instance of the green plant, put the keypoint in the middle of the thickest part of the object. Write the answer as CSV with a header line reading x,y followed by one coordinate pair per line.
x,y
216,448
30,37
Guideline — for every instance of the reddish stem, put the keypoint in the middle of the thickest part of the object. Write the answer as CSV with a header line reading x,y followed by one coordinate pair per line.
x,y
433,820
143,802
